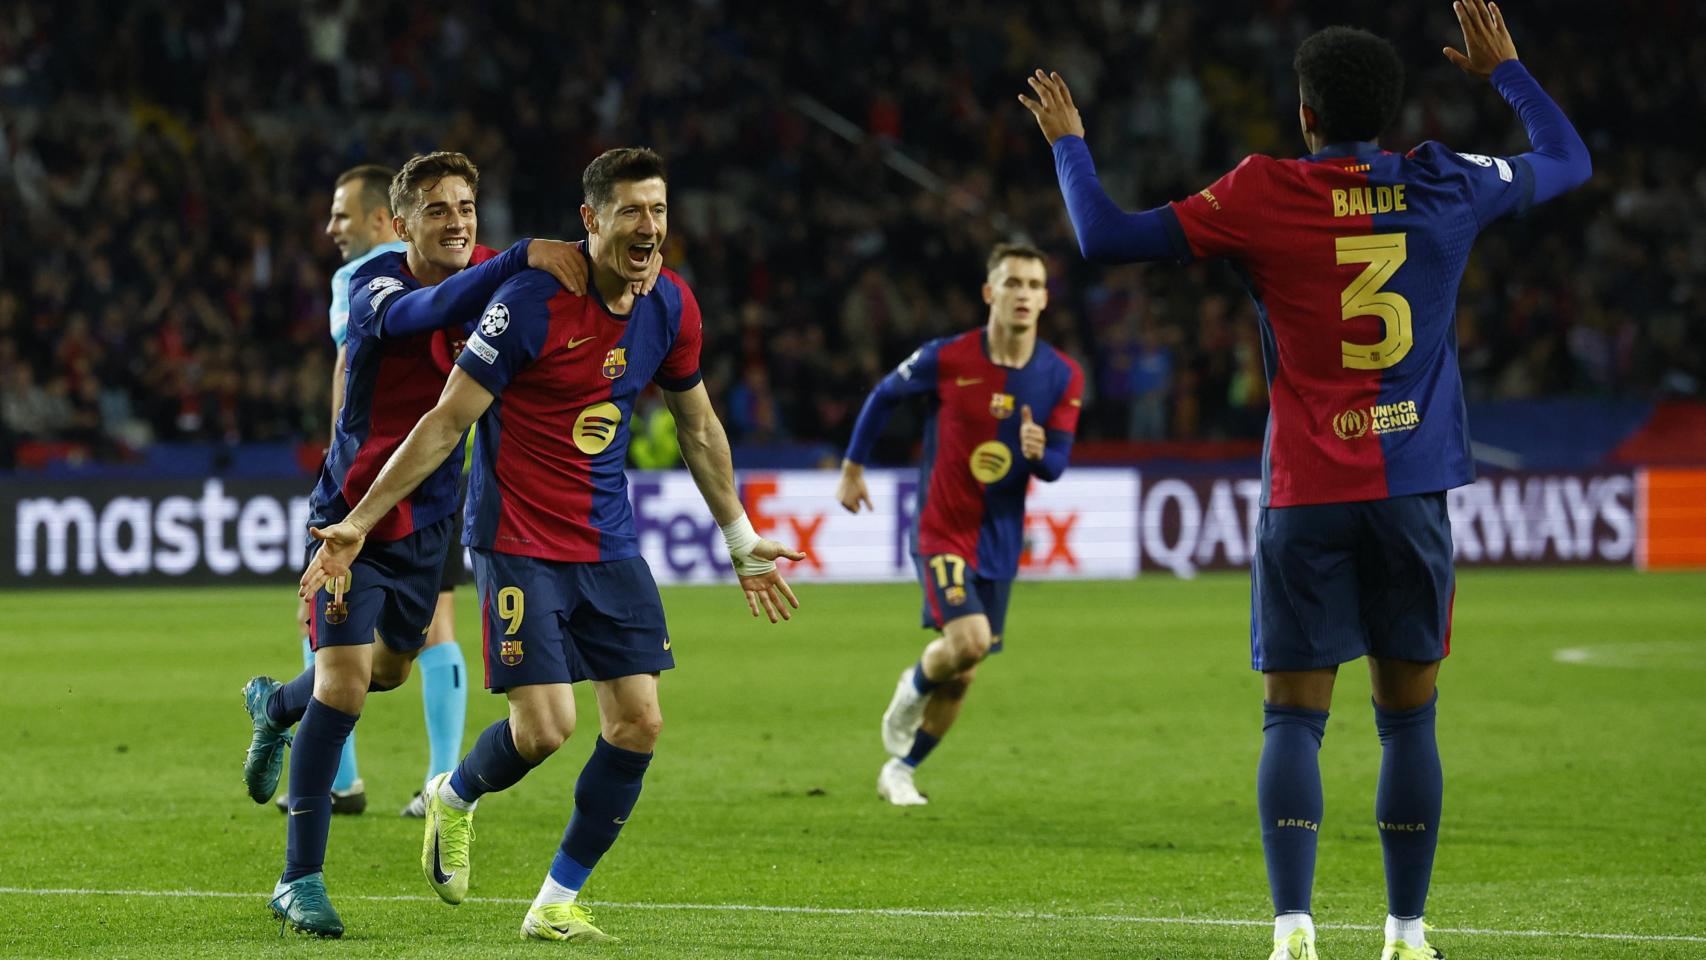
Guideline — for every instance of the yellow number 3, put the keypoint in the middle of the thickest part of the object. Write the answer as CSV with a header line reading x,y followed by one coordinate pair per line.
x,y
1384,253
511,605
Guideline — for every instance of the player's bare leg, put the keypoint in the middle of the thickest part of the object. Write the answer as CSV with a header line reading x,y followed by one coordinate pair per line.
x,y
629,721
444,694
1288,793
1408,801
541,718
935,687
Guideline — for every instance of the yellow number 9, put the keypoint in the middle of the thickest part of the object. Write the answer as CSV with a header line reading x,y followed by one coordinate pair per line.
x,y
511,606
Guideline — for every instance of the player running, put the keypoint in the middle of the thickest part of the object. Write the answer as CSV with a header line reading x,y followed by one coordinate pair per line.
x,y
982,387
1353,256
398,300
565,595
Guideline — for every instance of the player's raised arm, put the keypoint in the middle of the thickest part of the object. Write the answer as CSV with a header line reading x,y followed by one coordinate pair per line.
x,y
1106,233
461,296
1559,161
705,448
428,444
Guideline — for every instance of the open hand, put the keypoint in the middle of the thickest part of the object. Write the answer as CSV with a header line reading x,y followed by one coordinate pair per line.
x,y
768,589
1486,42
340,544
561,260
1055,112
1032,438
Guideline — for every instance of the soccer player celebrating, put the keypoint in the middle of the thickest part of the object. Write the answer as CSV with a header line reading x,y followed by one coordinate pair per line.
x,y
552,378
982,446
398,300
1353,256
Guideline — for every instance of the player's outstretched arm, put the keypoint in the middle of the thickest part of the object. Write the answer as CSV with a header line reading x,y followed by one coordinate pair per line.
x,y
1559,160
1106,233
461,296
705,447
433,439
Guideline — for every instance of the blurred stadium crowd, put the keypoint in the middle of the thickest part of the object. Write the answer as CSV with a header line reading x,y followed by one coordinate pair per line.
x,y
838,173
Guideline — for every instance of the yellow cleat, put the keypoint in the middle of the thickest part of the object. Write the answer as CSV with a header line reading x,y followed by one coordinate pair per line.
x,y
1299,946
445,852
1401,950
570,922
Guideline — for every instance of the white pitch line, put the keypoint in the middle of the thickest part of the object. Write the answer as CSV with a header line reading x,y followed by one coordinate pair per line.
x,y
871,912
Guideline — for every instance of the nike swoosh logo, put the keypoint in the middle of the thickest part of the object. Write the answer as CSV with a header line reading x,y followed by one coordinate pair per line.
x,y
565,931
297,813
438,873
575,343
620,820
966,381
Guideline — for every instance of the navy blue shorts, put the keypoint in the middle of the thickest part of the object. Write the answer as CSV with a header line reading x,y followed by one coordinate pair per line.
x,y
1336,581
393,589
551,622
953,589
455,563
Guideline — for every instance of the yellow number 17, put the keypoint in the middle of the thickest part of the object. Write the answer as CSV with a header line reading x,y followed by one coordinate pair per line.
x,y
1384,253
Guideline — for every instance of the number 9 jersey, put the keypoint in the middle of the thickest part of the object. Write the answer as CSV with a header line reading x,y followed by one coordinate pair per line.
x,y
1353,257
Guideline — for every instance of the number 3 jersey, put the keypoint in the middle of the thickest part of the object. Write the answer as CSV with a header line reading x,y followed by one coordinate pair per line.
x,y
548,478
1353,257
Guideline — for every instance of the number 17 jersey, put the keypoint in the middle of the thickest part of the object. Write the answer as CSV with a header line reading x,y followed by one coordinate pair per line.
x,y
1353,257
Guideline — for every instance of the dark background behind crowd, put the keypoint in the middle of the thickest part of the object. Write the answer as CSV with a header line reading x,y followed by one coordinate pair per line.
x,y
838,172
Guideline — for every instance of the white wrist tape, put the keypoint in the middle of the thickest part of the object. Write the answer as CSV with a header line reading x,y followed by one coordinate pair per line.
x,y
740,538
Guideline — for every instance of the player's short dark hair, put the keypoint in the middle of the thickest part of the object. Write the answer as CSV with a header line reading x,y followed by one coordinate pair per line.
x,y
1023,251
373,184
1352,79
424,171
621,165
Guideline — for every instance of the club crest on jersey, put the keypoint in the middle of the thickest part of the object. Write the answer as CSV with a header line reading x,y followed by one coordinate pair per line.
x,y
595,429
1001,405
509,651
615,363
495,321
337,611
956,596
990,461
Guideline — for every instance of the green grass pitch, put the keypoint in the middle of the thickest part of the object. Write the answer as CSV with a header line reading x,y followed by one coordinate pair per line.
x,y
1097,799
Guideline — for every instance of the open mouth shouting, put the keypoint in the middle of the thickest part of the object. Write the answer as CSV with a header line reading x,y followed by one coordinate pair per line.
x,y
640,254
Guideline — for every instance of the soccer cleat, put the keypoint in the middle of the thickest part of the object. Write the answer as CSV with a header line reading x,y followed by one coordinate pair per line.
x,y
265,759
1401,950
901,719
351,801
415,809
894,784
1299,946
302,905
563,921
445,851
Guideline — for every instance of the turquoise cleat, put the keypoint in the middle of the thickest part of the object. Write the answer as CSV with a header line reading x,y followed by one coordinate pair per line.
x,y
265,760
304,907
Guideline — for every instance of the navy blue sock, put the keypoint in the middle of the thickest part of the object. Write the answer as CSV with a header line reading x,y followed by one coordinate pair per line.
x,y
605,795
1407,804
1288,796
288,702
494,764
920,682
922,744
313,763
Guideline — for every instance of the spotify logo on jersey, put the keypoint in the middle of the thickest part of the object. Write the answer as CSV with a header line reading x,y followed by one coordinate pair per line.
x,y
596,427
990,461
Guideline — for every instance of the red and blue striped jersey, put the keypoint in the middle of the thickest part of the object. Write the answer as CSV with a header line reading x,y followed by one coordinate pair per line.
x,y
973,478
389,384
1353,257
548,478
